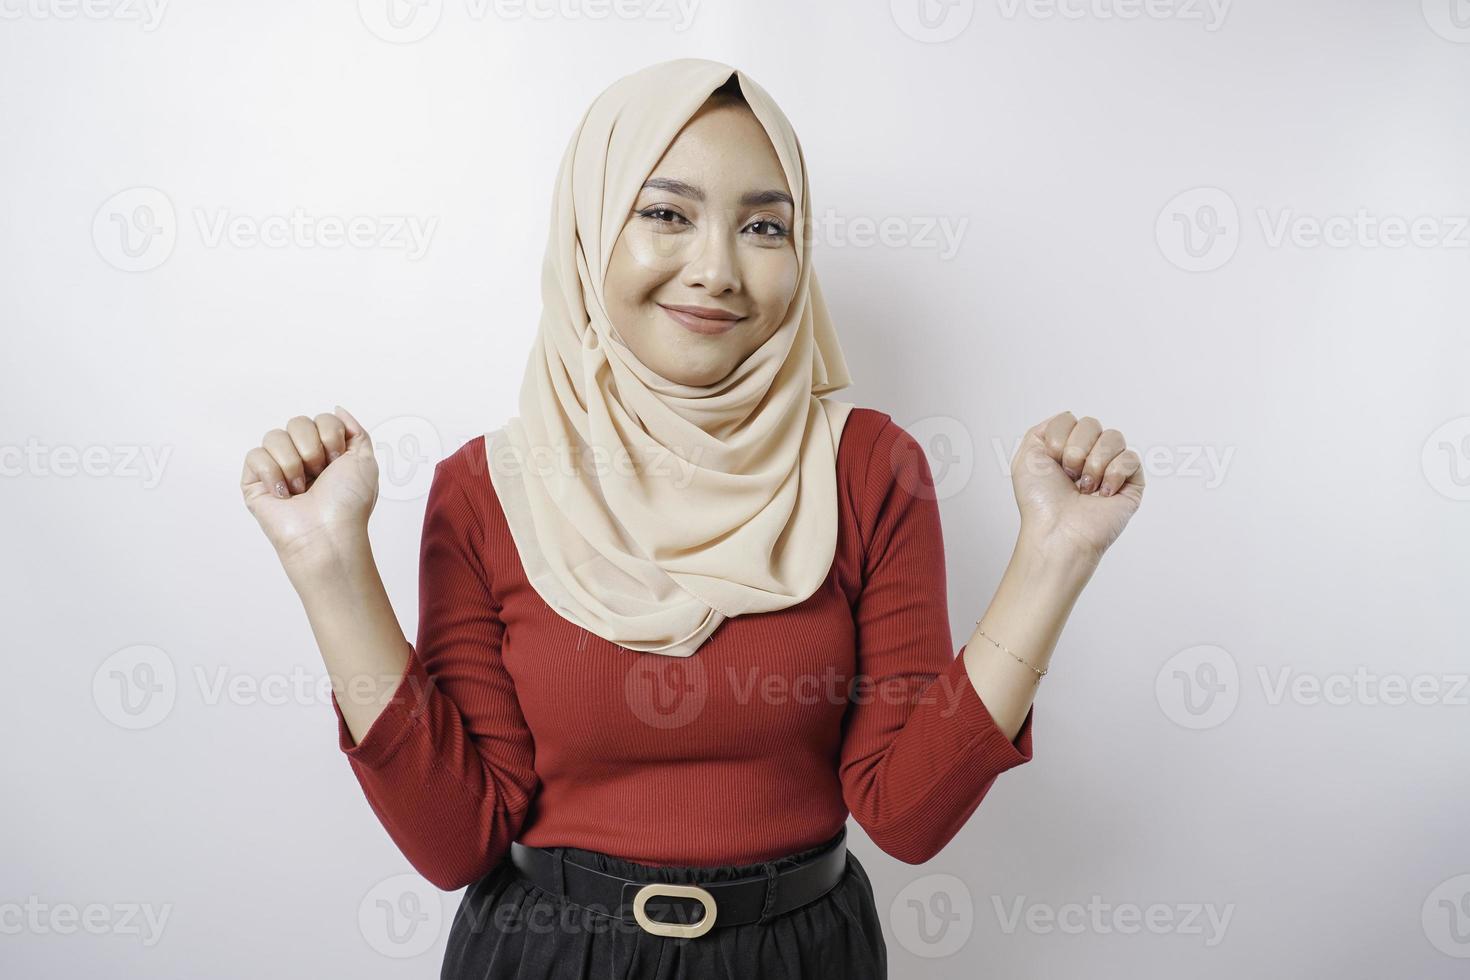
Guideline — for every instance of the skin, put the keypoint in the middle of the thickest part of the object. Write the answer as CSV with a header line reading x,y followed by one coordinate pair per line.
x,y
312,485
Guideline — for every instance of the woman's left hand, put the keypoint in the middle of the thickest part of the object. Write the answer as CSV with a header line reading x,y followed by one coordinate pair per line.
x,y
1076,483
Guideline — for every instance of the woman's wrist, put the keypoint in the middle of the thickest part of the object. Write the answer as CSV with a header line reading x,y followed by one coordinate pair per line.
x,y
329,554
1053,559
1006,655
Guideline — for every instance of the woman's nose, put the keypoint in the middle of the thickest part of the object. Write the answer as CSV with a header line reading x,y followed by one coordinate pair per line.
x,y
713,265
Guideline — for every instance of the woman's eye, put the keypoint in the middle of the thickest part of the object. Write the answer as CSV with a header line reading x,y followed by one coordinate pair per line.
x,y
663,216
776,229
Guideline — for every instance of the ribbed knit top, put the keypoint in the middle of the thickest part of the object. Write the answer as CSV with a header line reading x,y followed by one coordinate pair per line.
x,y
511,723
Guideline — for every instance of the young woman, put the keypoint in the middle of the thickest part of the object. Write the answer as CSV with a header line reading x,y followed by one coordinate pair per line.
x,y
684,614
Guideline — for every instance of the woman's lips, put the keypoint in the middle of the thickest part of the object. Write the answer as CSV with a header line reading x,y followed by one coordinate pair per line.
x,y
700,324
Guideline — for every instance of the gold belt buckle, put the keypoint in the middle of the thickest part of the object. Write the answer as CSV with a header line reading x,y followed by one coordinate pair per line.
x,y
674,929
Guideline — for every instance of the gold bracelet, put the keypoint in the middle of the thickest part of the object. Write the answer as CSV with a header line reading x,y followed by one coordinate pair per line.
x,y
1039,673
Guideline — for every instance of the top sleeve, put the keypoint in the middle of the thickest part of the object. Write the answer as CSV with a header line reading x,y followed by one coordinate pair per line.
x,y
920,750
448,767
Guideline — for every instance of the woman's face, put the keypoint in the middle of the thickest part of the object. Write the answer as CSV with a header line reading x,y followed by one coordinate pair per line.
x,y
711,229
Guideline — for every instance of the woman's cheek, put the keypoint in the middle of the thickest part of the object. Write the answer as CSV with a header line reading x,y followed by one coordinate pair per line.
x,y
778,283
655,252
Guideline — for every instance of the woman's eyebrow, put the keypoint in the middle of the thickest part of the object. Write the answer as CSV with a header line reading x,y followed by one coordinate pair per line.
x,y
685,189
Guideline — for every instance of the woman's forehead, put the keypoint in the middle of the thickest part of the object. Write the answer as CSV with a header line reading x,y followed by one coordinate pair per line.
x,y
751,198
724,155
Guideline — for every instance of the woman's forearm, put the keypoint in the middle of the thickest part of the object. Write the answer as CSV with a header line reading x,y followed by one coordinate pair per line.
x,y
361,641
1030,607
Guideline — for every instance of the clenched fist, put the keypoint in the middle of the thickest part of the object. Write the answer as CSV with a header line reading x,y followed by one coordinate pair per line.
x,y
1076,483
310,480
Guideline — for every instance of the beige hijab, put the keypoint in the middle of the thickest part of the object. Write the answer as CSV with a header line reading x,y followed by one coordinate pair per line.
x,y
647,511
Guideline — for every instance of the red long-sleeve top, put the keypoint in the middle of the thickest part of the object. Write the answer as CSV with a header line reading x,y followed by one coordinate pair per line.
x,y
511,723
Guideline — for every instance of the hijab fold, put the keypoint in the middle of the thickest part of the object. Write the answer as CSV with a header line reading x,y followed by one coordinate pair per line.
x,y
645,510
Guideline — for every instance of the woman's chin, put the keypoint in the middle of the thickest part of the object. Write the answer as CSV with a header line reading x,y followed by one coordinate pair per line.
x,y
697,371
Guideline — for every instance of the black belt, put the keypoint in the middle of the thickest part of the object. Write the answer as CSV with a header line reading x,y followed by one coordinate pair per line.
x,y
757,898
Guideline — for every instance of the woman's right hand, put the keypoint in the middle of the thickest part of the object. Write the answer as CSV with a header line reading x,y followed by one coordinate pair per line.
x,y
310,482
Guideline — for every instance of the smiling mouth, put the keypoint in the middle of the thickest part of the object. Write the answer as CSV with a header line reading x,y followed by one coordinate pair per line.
x,y
692,318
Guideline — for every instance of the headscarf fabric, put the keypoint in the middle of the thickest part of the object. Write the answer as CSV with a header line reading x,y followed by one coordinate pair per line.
x,y
643,510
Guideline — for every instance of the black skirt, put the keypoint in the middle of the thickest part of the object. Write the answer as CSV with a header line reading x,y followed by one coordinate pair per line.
x,y
507,927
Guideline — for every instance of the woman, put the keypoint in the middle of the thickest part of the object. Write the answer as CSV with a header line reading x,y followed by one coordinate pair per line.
x,y
684,614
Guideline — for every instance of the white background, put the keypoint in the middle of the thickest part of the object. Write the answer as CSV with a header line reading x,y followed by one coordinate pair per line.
x,y
1135,187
